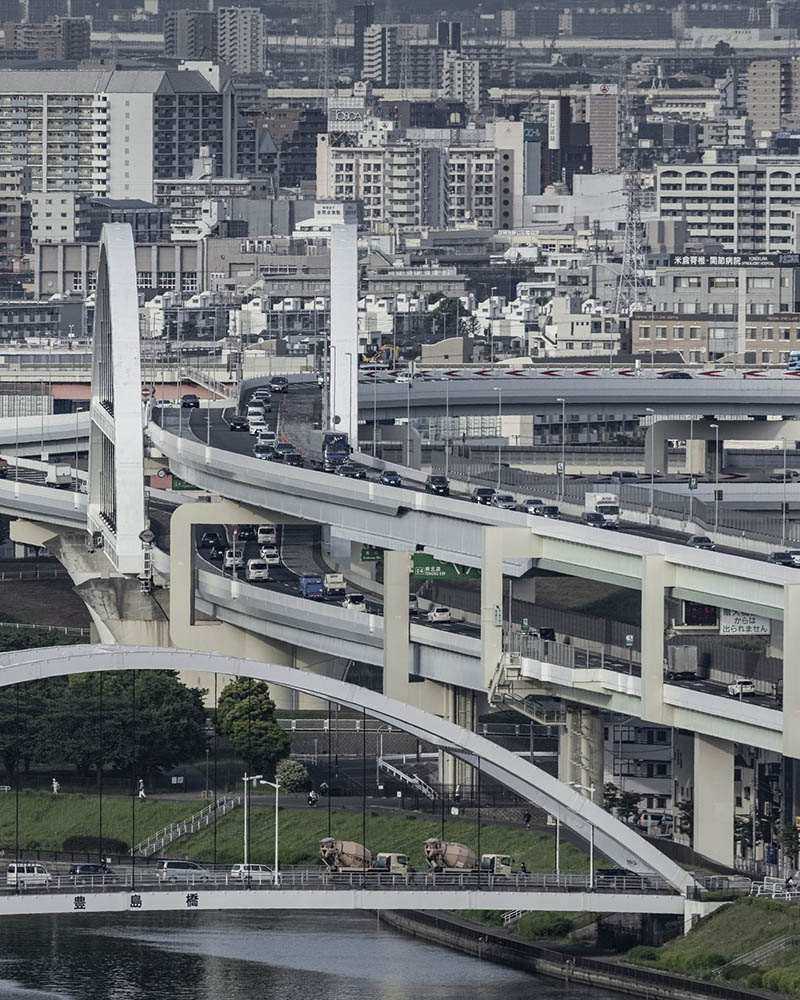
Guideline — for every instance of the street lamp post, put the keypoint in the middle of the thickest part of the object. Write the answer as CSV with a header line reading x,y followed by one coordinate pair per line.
x,y
499,392
207,754
691,464
248,779
783,505
562,400
275,872
408,422
715,428
447,429
651,411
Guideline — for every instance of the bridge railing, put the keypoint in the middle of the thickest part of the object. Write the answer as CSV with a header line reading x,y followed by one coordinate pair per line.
x,y
319,878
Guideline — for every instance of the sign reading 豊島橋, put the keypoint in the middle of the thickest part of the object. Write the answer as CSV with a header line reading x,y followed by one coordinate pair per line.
x,y
735,260
428,568
742,623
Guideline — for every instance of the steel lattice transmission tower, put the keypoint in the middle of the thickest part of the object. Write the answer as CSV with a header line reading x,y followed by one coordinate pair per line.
x,y
629,285
324,54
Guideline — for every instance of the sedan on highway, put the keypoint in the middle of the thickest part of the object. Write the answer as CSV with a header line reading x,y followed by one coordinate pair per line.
x,y
231,561
238,424
532,505
439,485
91,873
262,451
550,510
675,374
505,501
351,470
190,401
389,478
700,542
270,555
279,383
788,558
439,614
210,540
482,494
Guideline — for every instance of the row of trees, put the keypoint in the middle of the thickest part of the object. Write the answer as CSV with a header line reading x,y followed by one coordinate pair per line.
x,y
135,723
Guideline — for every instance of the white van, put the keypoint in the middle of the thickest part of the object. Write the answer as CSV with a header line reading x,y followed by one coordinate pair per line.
x,y
741,689
655,821
25,873
267,534
256,570
181,871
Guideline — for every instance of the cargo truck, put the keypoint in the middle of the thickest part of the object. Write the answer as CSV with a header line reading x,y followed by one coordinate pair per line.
x,y
334,585
329,449
606,504
59,476
310,585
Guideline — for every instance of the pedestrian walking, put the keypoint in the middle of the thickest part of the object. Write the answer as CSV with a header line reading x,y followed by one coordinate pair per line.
x,y
56,786
526,819
312,798
141,789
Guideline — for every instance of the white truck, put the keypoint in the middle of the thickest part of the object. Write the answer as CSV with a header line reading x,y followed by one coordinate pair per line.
x,y
333,585
59,476
606,504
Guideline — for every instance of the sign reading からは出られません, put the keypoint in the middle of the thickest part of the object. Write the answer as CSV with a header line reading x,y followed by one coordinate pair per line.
x,y
742,623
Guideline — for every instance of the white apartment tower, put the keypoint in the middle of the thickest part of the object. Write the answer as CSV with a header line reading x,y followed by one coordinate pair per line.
x,y
241,39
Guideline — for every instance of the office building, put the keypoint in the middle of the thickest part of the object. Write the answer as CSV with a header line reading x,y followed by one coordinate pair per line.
x,y
448,35
241,39
190,34
604,126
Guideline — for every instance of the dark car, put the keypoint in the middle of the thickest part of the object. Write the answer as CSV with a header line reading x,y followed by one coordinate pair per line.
x,y
594,519
550,510
190,401
246,533
351,470
532,505
782,558
279,383
389,478
439,485
625,475
89,872
700,542
293,458
676,375
482,494
209,539
284,448
239,424
217,552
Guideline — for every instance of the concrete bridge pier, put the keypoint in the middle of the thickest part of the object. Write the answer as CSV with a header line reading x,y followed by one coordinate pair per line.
x,y
713,798
580,752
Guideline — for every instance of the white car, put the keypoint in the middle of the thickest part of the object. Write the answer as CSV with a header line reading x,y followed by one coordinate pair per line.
x,y
741,689
265,435
252,873
229,560
270,555
256,425
439,614
267,534
354,602
257,569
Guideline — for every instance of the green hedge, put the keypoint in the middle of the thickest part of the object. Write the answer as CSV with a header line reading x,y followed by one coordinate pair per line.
x,y
544,924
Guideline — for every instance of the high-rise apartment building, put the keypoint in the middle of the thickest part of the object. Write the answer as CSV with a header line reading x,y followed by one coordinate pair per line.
x,y
749,206
381,63
15,216
113,133
603,115
66,39
241,39
190,34
464,80
363,17
773,89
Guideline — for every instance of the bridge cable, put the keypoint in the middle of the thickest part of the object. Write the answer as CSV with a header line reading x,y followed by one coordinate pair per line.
x,y
134,749
16,788
216,746
364,784
479,812
100,776
330,763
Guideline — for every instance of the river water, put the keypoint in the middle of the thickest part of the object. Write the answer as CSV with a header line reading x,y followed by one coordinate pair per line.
x,y
237,956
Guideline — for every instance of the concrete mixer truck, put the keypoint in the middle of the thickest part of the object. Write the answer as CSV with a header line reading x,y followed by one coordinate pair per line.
x,y
446,856
344,855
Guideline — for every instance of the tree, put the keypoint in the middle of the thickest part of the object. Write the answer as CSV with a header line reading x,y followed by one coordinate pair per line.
x,y
685,811
723,49
25,726
789,839
246,716
611,796
291,775
628,805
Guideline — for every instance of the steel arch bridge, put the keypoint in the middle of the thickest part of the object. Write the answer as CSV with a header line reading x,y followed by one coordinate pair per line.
x,y
612,838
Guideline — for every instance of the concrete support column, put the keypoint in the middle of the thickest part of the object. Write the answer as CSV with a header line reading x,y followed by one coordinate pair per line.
x,y
656,454
791,670
696,456
491,602
580,751
713,798
654,580
396,644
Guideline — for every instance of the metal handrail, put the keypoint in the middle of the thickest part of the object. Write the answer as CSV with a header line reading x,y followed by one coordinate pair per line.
x,y
171,832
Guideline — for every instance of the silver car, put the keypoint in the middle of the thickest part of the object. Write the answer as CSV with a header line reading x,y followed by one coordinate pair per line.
x,y
181,871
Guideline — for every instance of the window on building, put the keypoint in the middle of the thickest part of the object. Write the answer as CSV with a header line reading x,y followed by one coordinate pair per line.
x,y
759,282
766,357
687,281
166,280
661,332
694,333
723,281
144,279
767,333
644,332
677,332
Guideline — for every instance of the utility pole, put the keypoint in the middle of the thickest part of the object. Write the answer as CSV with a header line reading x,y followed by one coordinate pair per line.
x,y
629,285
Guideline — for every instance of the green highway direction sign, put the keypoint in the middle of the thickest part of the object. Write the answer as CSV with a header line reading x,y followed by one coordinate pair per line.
x,y
181,484
371,553
428,568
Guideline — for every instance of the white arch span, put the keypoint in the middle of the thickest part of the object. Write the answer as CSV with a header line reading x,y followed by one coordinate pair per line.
x,y
611,837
